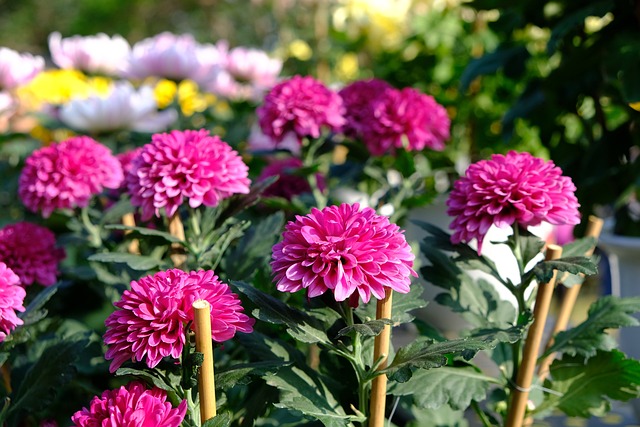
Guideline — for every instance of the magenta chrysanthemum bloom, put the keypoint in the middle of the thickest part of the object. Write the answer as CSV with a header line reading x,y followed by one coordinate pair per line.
x,y
132,405
11,300
150,322
288,184
357,98
67,174
301,105
516,188
404,119
30,251
182,165
343,249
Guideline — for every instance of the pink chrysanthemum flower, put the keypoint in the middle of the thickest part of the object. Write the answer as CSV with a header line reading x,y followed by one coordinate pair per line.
x,y
182,165
288,184
126,159
357,98
30,251
404,119
515,188
132,405
150,322
67,174
11,300
343,249
301,105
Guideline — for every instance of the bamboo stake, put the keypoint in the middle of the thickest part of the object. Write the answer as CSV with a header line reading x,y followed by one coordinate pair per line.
x,y
594,227
381,350
129,220
518,406
206,382
176,229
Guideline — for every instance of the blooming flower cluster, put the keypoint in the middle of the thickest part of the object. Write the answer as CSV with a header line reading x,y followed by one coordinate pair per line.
x,y
132,405
11,300
67,175
181,165
386,119
516,188
302,106
344,249
150,322
30,251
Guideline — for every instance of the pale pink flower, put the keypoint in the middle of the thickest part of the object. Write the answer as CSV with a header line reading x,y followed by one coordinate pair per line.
x,y
343,249
93,54
165,55
183,165
18,68
288,184
246,74
11,300
404,119
30,251
67,174
301,105
7,103
258,141
132,405
151,317
512,189
123,108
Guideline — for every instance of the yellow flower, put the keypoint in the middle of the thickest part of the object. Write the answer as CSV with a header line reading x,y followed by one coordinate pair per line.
x,y
347,66
59,86
299,49
635,106
186,93
165,92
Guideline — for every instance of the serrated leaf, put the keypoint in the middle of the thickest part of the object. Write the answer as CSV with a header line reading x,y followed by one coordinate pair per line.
x,y
530,247
371,328
241,374
453,386
426,354
579,247
34,311
135,262
584,388
254,247
44,378
574,265
221,420
608,312
299,324
145,232
305,391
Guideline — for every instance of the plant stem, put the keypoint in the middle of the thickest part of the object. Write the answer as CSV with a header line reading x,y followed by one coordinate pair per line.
x,y
358,366
481,415
321,200
94,232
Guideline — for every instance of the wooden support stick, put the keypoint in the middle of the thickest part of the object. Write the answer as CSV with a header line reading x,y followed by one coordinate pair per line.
x,y
129,220
594,227
520,393
176,229
206,383
381,351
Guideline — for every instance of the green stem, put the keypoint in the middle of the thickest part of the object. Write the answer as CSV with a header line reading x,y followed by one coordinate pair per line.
x,y
94,232
481,415
321,200
357,363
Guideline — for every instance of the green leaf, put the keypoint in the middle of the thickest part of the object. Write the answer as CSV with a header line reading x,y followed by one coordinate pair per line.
x,y
149,376
492,62
426,354
584,388
220,420
579,247
135,262
402,305
453,386
35,311
145,232
575,21
607,312
44,378
371,328
254,247
306,392
299,325
574,265
241,374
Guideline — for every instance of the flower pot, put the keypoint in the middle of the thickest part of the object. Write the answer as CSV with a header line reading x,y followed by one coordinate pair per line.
x,y
624,261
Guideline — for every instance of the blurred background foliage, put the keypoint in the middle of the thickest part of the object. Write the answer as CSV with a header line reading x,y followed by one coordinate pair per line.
x,y
554,78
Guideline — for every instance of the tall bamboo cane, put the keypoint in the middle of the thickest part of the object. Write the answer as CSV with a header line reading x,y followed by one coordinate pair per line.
x,y
520,393
206,382
380,351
